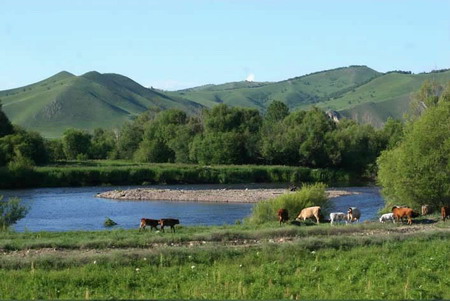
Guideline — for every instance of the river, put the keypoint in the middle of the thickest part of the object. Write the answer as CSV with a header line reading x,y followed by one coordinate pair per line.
x,y
68,209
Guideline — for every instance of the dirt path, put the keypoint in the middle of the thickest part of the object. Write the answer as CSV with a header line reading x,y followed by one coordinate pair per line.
x,y
205,195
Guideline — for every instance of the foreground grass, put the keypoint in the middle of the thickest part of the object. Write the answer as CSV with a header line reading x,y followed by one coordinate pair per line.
x,y
368,261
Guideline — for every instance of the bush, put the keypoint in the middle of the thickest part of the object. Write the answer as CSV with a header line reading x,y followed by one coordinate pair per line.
x,y
307,196
10,212
109,222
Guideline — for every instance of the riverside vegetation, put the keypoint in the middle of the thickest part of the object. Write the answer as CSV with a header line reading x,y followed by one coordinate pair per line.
x,y
254,259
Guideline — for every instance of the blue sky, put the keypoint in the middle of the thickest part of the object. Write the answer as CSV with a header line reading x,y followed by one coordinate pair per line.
x,y
177,44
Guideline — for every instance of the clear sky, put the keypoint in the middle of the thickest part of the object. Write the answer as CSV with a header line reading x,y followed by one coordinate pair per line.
x,y
177,44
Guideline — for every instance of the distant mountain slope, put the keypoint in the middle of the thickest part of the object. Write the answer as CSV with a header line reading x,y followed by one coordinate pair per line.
x,y
296,92
386,96
88,101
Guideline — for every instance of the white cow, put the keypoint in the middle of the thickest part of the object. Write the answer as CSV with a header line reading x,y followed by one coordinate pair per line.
x,y
337,217
387,217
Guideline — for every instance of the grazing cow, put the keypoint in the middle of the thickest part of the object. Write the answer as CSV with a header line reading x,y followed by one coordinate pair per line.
x,y
310,212
400,213
353,214
283,215
171,222
153,223
337,217
387,217
445,212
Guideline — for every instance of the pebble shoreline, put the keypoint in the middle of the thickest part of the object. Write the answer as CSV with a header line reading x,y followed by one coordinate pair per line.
x,y
205,195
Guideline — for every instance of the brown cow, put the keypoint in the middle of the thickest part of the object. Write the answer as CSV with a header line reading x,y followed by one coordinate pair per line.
x,y
153,223
445,213
171,222
283,215
400,213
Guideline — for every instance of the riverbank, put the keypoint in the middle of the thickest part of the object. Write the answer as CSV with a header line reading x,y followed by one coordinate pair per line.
x,y
110,173
206,195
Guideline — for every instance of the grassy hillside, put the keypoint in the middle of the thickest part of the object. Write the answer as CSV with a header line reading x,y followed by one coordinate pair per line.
x,y
108,100
383,97
298,92
86,102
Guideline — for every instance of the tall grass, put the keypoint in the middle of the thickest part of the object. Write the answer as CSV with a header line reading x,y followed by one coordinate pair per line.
x,y
307,196
109,173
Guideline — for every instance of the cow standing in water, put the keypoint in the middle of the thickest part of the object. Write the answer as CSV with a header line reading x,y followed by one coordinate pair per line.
x,y
171,222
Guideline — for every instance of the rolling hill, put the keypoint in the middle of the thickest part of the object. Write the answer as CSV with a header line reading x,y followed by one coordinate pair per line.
x,y
383,97
88,101
299,92
108,100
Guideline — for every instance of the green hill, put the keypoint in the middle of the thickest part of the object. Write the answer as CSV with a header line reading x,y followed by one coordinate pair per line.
x,y
88,101
385,96
298,92
108,100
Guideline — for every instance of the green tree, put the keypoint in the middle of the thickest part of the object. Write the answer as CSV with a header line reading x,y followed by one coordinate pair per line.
x,y
417,171
276,112
167,137
11,211
102,144
6,127
76,144
25,144
230,136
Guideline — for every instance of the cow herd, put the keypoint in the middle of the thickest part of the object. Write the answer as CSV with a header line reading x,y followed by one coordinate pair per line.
x,y
153,223
398,214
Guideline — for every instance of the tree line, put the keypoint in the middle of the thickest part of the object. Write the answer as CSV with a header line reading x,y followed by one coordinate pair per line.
x,y
221,135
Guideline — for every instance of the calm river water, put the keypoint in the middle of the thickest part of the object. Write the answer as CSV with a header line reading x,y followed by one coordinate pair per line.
x,y
66,209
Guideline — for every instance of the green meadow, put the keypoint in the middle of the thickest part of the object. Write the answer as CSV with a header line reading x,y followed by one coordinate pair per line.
x,y
365,261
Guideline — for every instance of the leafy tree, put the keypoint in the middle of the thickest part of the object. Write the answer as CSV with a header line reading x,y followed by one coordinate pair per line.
x,y
55,149
417,171
276,111
25,144
102,144
130,136
231,136
429,95
76,144
6,127
166,138
392,133
357,146
11,211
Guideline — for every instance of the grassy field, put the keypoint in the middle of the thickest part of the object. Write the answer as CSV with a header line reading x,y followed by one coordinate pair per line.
x,y
96,173
366,261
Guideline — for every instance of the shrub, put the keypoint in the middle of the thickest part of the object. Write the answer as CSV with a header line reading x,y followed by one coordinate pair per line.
x,y
10,212
109,222
307,196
